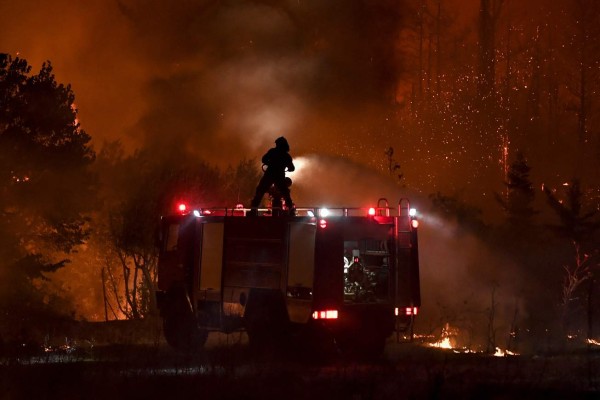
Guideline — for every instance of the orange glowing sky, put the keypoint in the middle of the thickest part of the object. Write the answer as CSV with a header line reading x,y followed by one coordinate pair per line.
x,y
114,52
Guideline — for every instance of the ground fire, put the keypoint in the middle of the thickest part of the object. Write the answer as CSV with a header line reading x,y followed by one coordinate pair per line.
x,y
345,276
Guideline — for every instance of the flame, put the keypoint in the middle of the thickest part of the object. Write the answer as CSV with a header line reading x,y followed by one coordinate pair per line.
x,y
503,353
448,341
442,344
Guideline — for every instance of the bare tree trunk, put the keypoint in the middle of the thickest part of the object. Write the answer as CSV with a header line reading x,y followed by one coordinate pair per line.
x,y
582,114
590,308
489,11
574,276
115,290
421,40
429,72
491,344
438,55
150,278
104,294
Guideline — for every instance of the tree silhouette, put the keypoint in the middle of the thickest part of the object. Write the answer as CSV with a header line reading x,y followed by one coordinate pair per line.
x,y
574,224
393,166
46,188
142,190
578,227
517,204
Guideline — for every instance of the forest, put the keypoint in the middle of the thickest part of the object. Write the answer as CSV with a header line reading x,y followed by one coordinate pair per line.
x,y
488,113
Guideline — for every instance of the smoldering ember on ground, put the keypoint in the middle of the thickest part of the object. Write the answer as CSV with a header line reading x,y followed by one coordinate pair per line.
x,y
484,113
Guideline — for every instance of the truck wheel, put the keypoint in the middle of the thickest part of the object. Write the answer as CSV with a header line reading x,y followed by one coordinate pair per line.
x,y
184,334
266,320
314,343
180,325
362,348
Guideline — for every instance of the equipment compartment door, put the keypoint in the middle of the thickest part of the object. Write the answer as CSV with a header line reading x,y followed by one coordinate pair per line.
x,y
301,269
212,257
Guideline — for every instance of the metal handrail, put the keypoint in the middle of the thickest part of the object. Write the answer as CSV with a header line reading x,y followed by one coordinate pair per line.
x,y
382,209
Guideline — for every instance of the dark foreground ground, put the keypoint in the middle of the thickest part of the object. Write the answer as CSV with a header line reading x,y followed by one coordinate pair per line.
x,y
229,369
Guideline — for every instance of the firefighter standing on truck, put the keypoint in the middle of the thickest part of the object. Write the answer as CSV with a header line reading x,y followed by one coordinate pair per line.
x,y
277,198
277,160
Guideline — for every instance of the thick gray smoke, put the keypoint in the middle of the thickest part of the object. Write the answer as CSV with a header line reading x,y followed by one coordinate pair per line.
x,y
216,79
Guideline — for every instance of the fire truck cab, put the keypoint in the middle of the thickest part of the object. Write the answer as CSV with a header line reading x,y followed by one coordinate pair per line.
x,y
351,274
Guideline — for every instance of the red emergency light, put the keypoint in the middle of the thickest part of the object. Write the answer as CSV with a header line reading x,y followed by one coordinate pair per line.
x,y
407,311
325,314
371,211
182,207
323,223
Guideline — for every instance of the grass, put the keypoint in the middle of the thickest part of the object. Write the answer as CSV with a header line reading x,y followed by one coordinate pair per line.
x,y
229,369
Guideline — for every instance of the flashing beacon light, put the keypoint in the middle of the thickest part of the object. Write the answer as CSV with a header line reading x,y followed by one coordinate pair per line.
x,y
182,207
371,211
414,223
196,213
323,212
310,213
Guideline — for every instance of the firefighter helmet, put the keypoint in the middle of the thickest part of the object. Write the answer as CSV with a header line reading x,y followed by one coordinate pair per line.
x,y
282,143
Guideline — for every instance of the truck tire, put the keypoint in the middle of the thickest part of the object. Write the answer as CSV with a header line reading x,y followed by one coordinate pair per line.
x,y
266,319
361,346
180,325
314,343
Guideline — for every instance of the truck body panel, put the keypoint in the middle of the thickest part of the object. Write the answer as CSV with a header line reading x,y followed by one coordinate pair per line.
x,y
351,274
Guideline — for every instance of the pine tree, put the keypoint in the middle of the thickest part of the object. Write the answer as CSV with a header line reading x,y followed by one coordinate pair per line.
x,y
518,201
46,188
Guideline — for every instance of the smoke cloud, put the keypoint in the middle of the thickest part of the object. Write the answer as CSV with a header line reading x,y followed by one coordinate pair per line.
x,y
217,79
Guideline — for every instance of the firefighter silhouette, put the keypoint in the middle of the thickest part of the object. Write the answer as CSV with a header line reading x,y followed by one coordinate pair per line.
x,y
277,197
277,160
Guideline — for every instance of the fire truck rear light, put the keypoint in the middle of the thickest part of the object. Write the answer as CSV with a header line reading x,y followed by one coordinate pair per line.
x,y
414,223
323,223
326,314
371,211
182,207
412,212
323,212
407,311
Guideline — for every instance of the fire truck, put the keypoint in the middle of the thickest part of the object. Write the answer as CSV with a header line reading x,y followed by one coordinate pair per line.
x,y
349,274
